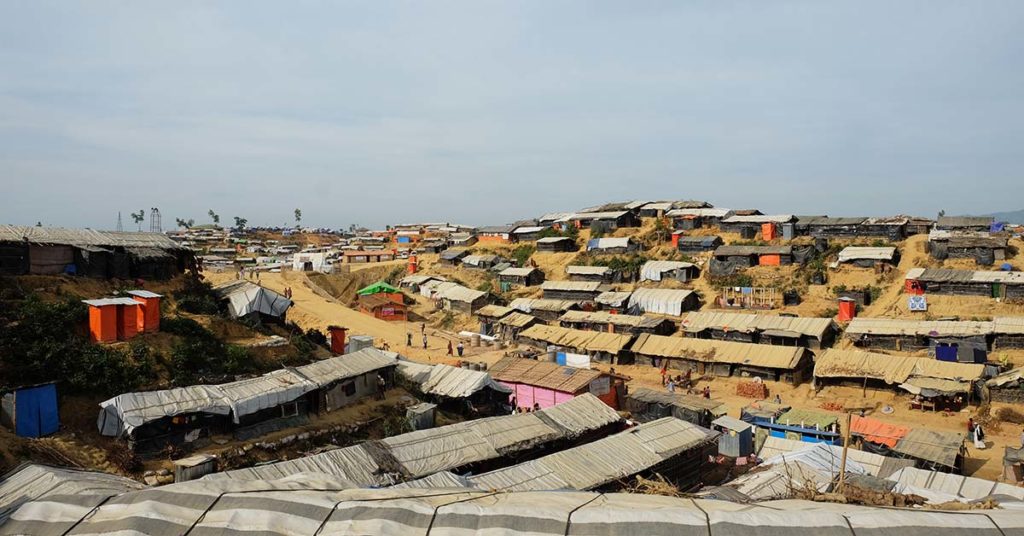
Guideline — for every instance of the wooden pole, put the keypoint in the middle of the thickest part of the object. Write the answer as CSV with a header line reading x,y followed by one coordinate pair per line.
x,y
846,446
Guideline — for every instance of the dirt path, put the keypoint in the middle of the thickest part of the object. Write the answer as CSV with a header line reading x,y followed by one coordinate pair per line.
x,y
312,310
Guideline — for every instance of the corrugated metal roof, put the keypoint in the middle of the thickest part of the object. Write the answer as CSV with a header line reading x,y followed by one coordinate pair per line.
x,y
581,414
456,292
591,341
554,239
683,400
964,221
932,328
529,229
942,275
697,321
613,299
599,215
437,449
608,243
853,253
517,320
711,351
544,374
702,212
808,418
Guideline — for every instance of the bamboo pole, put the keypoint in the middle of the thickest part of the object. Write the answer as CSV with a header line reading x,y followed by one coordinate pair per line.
x,y
846,446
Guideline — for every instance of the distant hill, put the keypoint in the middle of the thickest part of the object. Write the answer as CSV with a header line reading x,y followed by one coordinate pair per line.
x,y
1015,216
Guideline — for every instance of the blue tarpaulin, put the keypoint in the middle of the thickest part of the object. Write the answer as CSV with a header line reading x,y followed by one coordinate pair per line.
x,y
560,358
35,411
946,353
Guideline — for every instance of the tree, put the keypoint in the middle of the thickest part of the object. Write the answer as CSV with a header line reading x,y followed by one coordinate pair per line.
x,y
138,218
214,216
185,223
39,224
240,223
298,216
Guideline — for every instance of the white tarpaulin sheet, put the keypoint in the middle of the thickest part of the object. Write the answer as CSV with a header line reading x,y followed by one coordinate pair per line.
x,y
577,360
245,298
660,301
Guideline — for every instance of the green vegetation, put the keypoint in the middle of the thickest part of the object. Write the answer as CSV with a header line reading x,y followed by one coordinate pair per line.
x,y
734,280
199,355
45,341
196,297
522,254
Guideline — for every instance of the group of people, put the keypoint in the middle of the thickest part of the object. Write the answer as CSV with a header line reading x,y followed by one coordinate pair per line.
x,y
977,434
423,334
526,409
288,292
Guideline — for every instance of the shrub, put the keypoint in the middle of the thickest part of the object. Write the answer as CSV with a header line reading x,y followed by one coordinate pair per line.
x,y
197,297
522,253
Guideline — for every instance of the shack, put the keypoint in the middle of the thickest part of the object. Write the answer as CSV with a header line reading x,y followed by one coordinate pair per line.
x,y
869,257
607,220
814,333
528,233
805,425
367,256
481,262
932,449
663,301
556,244
511,325
937,382
572,290
310,261
520,277
984,249
787,364
602,274
547,310
413,282
695,218
26,250
249,300
647,405
612,246
1007,387
728,260
893,229
613,301
586,345
947,340
496,234
693,245
383,307
188,416
546,384
466,391
964,223
616,323
677,270
1007,332
736,439
453,257
826,227
454,297
489,316
749,225
996,284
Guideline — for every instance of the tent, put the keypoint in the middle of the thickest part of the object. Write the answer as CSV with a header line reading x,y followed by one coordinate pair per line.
x,y
31,411
245,298
377,288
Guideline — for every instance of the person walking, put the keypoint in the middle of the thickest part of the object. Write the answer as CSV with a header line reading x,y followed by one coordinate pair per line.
x,y
408,338
381,387
707,391
449,347
424,341
671,385
460,348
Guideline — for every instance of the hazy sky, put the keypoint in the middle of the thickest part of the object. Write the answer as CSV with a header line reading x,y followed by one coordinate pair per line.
x,y
484,112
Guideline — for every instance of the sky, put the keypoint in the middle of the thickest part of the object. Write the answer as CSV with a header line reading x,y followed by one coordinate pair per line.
x,y
481,112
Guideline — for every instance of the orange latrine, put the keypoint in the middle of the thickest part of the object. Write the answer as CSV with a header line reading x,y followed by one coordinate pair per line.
x,y
113,319
149,314
770,260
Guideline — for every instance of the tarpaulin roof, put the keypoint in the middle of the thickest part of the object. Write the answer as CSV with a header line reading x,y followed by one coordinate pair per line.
x,y
854,253
933,328
604,317
875,464
912,479
606,460
660,300
760,218
703,212
655,270
517,320
34,482
712,351
444,448
378,287
739,251
697,321
528,305
893,369
555,240
573,286
808,418
608,243
125,412
877,431
449,381
683,400
587,270
85,237
591,341
453,292
245,298
493,311
931,445
419,279
317,504
518,272
544,374
945,275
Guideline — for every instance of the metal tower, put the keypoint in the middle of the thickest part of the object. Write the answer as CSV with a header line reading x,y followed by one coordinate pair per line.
x,y
120,228
155,225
